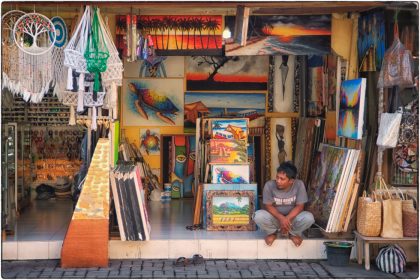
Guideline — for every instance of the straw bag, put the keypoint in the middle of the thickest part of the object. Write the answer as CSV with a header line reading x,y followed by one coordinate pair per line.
x,y
391,212
369,215
410,218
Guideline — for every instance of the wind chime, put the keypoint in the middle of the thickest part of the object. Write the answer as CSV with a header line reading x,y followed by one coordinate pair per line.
x,y
34,34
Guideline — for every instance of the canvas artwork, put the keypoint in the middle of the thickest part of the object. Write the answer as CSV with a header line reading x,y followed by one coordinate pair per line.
x,y
150,141
352,107
152,102
281,142
221,73
228,151
230,174
230,210
216,105
161,67
283,84
184,35
283,34
371,40
224,187
316,86
229,129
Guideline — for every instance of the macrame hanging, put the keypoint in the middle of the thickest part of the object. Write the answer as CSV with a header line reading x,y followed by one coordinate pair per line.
x,y
32,36
59,70
9,52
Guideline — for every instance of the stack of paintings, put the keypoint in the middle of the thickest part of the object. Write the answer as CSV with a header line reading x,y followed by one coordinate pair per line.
x,y
332,188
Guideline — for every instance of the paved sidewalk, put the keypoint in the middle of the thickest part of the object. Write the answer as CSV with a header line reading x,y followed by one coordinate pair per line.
x,y
215,269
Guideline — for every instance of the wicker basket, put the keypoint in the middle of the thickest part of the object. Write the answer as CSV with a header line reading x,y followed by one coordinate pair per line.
x,y
410,218
369,216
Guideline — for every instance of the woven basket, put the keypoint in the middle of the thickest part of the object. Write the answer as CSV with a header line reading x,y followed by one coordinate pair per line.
x,y
410,223
369,216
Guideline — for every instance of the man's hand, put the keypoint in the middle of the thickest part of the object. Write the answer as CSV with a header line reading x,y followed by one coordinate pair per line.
x,y
285,224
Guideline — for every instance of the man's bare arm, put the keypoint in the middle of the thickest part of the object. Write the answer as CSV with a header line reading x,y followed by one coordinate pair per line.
x,y
295,211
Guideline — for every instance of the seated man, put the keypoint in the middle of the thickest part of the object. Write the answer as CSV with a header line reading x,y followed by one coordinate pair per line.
x,y
284,199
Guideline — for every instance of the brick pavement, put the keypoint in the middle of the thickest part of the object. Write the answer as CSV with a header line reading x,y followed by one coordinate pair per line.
x,y
210,269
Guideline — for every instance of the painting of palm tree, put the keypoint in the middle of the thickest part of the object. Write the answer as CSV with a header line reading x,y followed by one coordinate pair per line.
x,y
184,35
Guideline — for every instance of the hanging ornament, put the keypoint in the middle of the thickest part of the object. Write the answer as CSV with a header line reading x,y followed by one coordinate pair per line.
x,y
59,70
61,32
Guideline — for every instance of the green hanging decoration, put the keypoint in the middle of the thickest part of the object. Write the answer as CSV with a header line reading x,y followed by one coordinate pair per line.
x,y
96,53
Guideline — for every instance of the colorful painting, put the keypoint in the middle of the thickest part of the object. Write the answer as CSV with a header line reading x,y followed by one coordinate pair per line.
x,y
169,67
220,73
150,141
228,151
183,35
324,180
283,34
371,40
315,102
223,187
217,105
352,107
230,210
181,164
230,174
229,129
281,142
152,102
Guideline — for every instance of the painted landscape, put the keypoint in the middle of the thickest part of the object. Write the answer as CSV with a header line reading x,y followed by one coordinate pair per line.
x,y
230,210
271,35
228,151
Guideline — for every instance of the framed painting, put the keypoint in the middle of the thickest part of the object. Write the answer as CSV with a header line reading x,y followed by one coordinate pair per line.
x,y
217,105
230,210
283,34
352,108
230,173
155,67
280,142
183,35
222,73
150,141
228,151
283,83
152,102
224,187
229,129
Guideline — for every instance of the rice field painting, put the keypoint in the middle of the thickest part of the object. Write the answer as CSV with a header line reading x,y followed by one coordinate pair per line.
x,y
222,105
221,73
230,174
152,102
283,34
230,210
351,110
183,35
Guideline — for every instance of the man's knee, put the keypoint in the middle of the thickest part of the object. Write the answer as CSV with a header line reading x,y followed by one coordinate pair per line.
x,y
308,218
261,216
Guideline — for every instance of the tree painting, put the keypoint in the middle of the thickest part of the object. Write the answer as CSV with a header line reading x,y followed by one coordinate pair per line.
x,y
34,27
183,35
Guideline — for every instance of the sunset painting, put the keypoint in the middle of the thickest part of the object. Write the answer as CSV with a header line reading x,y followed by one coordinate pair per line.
x,y
351,111
274,35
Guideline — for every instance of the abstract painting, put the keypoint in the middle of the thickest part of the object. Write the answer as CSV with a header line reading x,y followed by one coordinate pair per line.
x,y
281,142
230,210
230,174
150,141
283,34
228,151
168,67
183,35
152,102
352,107
221,73
371,40
216,105
229,129
223,187
283,84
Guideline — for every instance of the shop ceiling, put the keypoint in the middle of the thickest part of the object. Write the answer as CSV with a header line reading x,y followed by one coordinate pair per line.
x,y
206,8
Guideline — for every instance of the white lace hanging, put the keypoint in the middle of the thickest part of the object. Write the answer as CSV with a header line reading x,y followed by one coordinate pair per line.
x,y
74,52
9,52
35,73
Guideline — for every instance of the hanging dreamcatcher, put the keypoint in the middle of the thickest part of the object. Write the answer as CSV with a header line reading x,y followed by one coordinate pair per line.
x,y
59,70
31,34
9,51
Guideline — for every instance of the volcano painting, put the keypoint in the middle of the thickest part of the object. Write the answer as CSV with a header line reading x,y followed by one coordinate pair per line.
x,y
291,34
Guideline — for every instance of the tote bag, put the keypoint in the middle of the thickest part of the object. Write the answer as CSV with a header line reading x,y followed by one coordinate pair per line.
x,y
392,226
389,128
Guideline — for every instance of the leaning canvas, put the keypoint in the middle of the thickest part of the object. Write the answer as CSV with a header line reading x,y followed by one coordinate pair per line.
x,y
228,151
230,173
229,129
351,111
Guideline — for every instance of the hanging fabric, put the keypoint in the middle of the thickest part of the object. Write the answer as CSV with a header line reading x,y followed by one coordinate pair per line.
x,y
35,35
59,70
